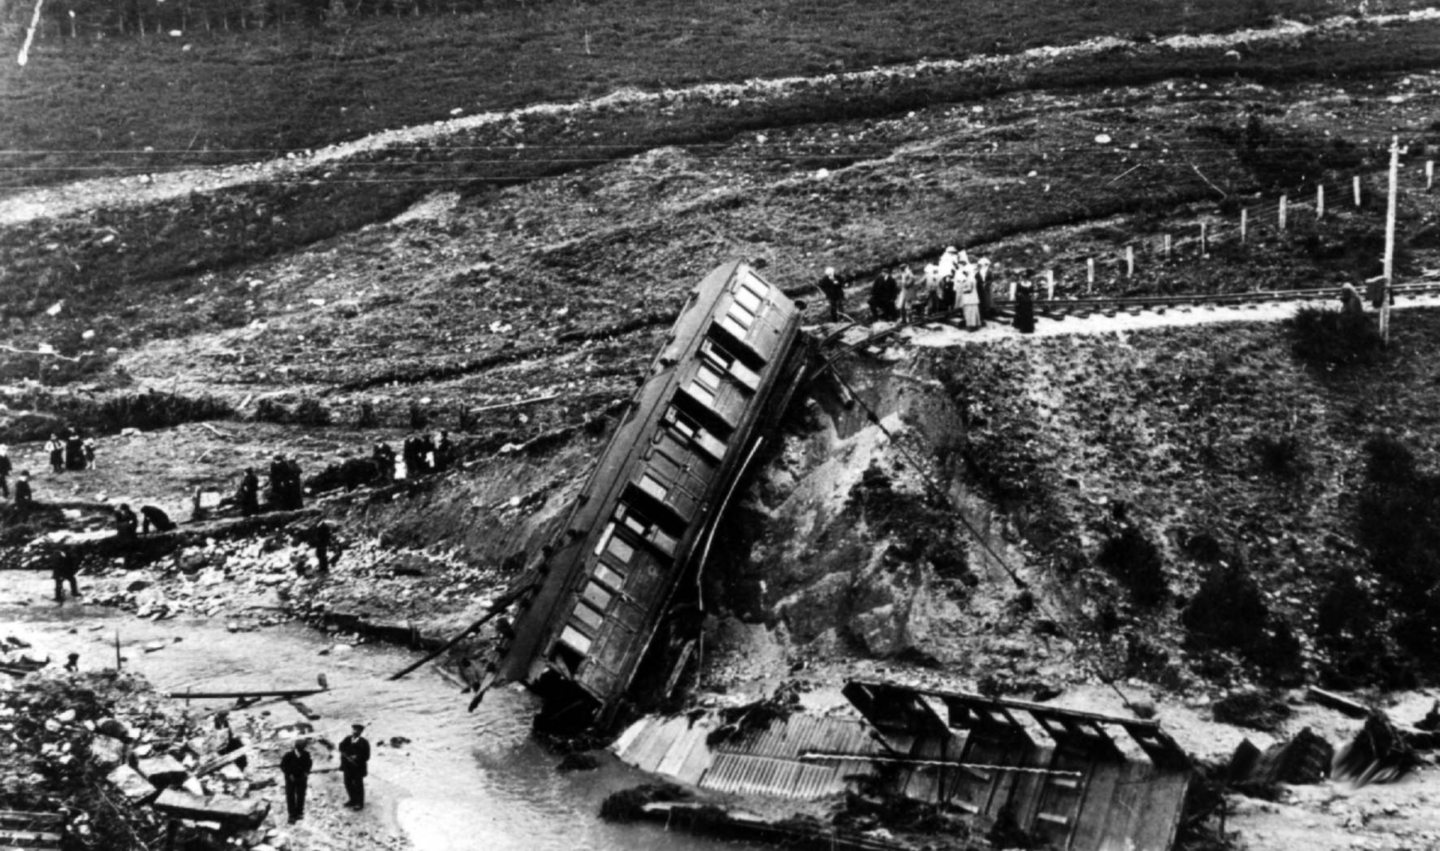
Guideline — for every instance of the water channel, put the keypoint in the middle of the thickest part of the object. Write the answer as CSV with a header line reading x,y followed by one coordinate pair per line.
x,y
463,781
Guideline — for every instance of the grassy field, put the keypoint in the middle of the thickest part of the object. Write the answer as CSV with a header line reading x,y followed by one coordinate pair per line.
x,y
86,106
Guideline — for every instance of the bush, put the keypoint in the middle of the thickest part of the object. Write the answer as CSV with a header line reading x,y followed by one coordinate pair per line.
x,y
1280,456
1330,338
1135,561
1228,613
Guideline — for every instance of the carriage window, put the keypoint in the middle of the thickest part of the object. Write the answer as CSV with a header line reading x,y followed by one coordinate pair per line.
x,y
708,377
589,617
597,596
734,327
748,300
603,573
620,550
649,531
722,360
653,486
755,285
576,639
743,317
684,427
702,394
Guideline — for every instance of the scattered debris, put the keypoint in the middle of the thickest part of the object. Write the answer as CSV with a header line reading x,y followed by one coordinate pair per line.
x,y
1304,759
1377,754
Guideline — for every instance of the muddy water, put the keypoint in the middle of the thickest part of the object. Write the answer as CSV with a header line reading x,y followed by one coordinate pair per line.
x,y
464,780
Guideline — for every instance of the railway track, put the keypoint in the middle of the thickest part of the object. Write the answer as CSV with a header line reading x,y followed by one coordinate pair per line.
x,y
1080,308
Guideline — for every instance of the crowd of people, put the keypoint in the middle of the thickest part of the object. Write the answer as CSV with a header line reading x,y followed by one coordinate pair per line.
x,y
898,294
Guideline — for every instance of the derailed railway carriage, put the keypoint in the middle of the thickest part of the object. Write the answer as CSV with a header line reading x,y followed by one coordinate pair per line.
x,y
612,611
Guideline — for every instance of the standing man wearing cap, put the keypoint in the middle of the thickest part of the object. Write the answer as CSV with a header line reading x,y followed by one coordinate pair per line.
x,y
354,758
295,766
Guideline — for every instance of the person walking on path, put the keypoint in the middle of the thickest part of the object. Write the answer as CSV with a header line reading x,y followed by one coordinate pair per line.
x,y
89,447
354,765
57,453
295,767
67,565
5,468
23,497
1025,308
834,293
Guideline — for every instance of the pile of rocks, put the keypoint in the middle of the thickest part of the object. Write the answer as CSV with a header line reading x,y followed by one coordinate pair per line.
x,y
125,767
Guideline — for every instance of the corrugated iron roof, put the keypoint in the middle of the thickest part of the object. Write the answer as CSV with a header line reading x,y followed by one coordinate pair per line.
x,y
765,763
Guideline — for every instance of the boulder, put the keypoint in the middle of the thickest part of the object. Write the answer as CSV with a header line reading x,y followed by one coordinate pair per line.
x,y
231,813
107,751
131,784
163,770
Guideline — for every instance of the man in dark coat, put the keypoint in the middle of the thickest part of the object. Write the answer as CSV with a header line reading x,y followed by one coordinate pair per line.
x,y
74,451
153,516
249,496
294,491
23,497
279,472
66,566
5,468
384,458
295,767
125,522
833,291
354,765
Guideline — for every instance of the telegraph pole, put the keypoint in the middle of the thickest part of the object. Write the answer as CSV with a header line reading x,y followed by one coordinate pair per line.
x,y
1389,272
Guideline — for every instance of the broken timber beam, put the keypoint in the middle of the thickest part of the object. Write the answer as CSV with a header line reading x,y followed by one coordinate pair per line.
x,y
864,757
285,693
1339,703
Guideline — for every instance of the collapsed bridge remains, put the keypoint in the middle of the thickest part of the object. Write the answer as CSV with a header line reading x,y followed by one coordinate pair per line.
x,y
609,614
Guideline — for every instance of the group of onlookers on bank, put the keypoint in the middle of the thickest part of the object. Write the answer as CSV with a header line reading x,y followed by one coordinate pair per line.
x,y
898,294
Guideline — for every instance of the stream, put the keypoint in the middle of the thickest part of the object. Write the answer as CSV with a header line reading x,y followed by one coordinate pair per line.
x,y
463,781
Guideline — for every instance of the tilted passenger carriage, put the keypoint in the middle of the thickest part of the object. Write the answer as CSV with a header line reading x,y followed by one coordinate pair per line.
x,y
611,609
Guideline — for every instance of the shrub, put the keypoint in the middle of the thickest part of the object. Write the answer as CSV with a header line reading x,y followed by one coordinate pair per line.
x,y
1228,613
1330,338
1135,561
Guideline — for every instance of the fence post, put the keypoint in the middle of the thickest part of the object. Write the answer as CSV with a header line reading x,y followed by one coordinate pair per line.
x,y
1204,239
1284,202
1167,246
1319,202
1355,181
1089,275
1244,224
1129,261
1429,174
1049,284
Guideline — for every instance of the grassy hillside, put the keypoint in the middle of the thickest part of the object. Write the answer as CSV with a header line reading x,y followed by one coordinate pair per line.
x,y
1267,511
105,105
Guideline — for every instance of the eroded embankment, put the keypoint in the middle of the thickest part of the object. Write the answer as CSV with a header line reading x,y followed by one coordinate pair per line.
x,y
1188,508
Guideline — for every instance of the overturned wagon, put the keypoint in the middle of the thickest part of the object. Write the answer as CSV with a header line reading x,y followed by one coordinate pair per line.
x,y
611,610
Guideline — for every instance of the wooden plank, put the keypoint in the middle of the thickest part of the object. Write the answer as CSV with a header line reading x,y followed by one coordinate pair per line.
x,y
1095,806
1126,807
1339,703
1160,814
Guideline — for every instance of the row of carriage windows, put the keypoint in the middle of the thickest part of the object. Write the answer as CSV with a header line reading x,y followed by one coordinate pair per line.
x,y
683,457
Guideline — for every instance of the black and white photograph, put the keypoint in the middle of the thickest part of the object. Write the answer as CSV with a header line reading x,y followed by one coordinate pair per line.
x,y
643,425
